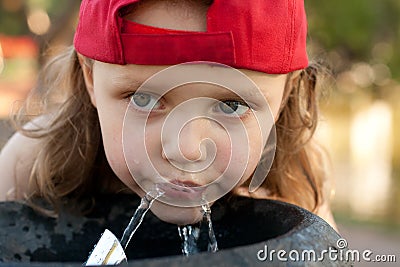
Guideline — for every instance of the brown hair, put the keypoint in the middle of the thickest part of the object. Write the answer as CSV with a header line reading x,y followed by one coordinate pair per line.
x,y
299,171
70,141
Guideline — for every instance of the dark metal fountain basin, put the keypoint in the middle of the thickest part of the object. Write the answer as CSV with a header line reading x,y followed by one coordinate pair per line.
x,y
242,226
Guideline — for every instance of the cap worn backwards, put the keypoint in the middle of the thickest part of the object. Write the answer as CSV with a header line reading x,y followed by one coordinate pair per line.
x,y
262,35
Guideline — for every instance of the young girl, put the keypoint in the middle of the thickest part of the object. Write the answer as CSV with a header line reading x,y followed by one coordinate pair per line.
x,y
83,133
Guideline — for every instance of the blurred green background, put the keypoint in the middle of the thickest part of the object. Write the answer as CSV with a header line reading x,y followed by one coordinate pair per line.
x,y
358,39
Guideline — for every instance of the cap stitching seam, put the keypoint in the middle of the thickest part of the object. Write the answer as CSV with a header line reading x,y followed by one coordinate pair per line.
x,y
293,33
288,40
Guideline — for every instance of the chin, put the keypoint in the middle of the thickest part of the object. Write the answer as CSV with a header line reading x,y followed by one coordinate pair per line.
x,y
176,215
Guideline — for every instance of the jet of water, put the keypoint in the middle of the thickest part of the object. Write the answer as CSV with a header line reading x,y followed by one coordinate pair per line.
x,y
212,241
190,234
137,218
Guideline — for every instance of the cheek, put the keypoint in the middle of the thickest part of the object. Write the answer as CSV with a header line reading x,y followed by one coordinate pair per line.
x,y
111,117
113,145
239,155
226,153
255,149
142,151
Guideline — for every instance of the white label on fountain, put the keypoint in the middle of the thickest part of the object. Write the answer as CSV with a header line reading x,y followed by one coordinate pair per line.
x,y
108,251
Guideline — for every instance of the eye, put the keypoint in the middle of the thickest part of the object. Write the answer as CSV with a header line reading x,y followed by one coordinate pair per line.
x,y
145,101
231,107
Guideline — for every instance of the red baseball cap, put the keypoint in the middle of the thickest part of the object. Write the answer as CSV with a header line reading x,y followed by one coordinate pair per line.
x,y
262,35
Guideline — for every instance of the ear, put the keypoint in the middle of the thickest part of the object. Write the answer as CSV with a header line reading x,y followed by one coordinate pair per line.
x,y
88,77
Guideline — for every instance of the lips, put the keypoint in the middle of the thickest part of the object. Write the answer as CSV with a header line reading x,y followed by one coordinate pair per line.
x,y
183,190
185,183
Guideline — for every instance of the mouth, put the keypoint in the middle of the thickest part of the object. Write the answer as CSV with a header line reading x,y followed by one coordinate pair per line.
x,y
186,183
183,190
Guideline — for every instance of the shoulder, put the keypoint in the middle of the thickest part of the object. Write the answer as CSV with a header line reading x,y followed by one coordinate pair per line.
x,y
16,161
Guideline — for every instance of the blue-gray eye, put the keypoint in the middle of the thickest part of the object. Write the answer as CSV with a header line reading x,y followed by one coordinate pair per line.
x,y
230,107
144,101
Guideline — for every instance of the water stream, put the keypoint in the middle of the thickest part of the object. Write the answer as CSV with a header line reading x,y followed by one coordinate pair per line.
x,y
192,235
212,241
138,216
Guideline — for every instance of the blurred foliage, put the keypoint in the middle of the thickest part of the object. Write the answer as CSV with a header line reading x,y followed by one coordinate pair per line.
x,y
13,13
14,16
358,30
13,22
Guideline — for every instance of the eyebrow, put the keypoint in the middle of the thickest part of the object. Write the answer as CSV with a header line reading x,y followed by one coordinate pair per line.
x,y
125,82
243,94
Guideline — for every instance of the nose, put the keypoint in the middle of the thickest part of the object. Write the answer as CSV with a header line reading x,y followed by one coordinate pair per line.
x,y
187,144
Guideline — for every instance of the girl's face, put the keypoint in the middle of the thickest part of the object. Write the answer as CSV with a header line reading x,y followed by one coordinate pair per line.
x,y
188,136
182,133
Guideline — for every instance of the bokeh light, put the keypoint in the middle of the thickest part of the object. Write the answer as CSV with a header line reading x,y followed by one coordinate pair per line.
x,y
370,148
362,74
38,21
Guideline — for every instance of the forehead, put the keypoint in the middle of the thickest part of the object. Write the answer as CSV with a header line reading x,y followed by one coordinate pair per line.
x,y
242,81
